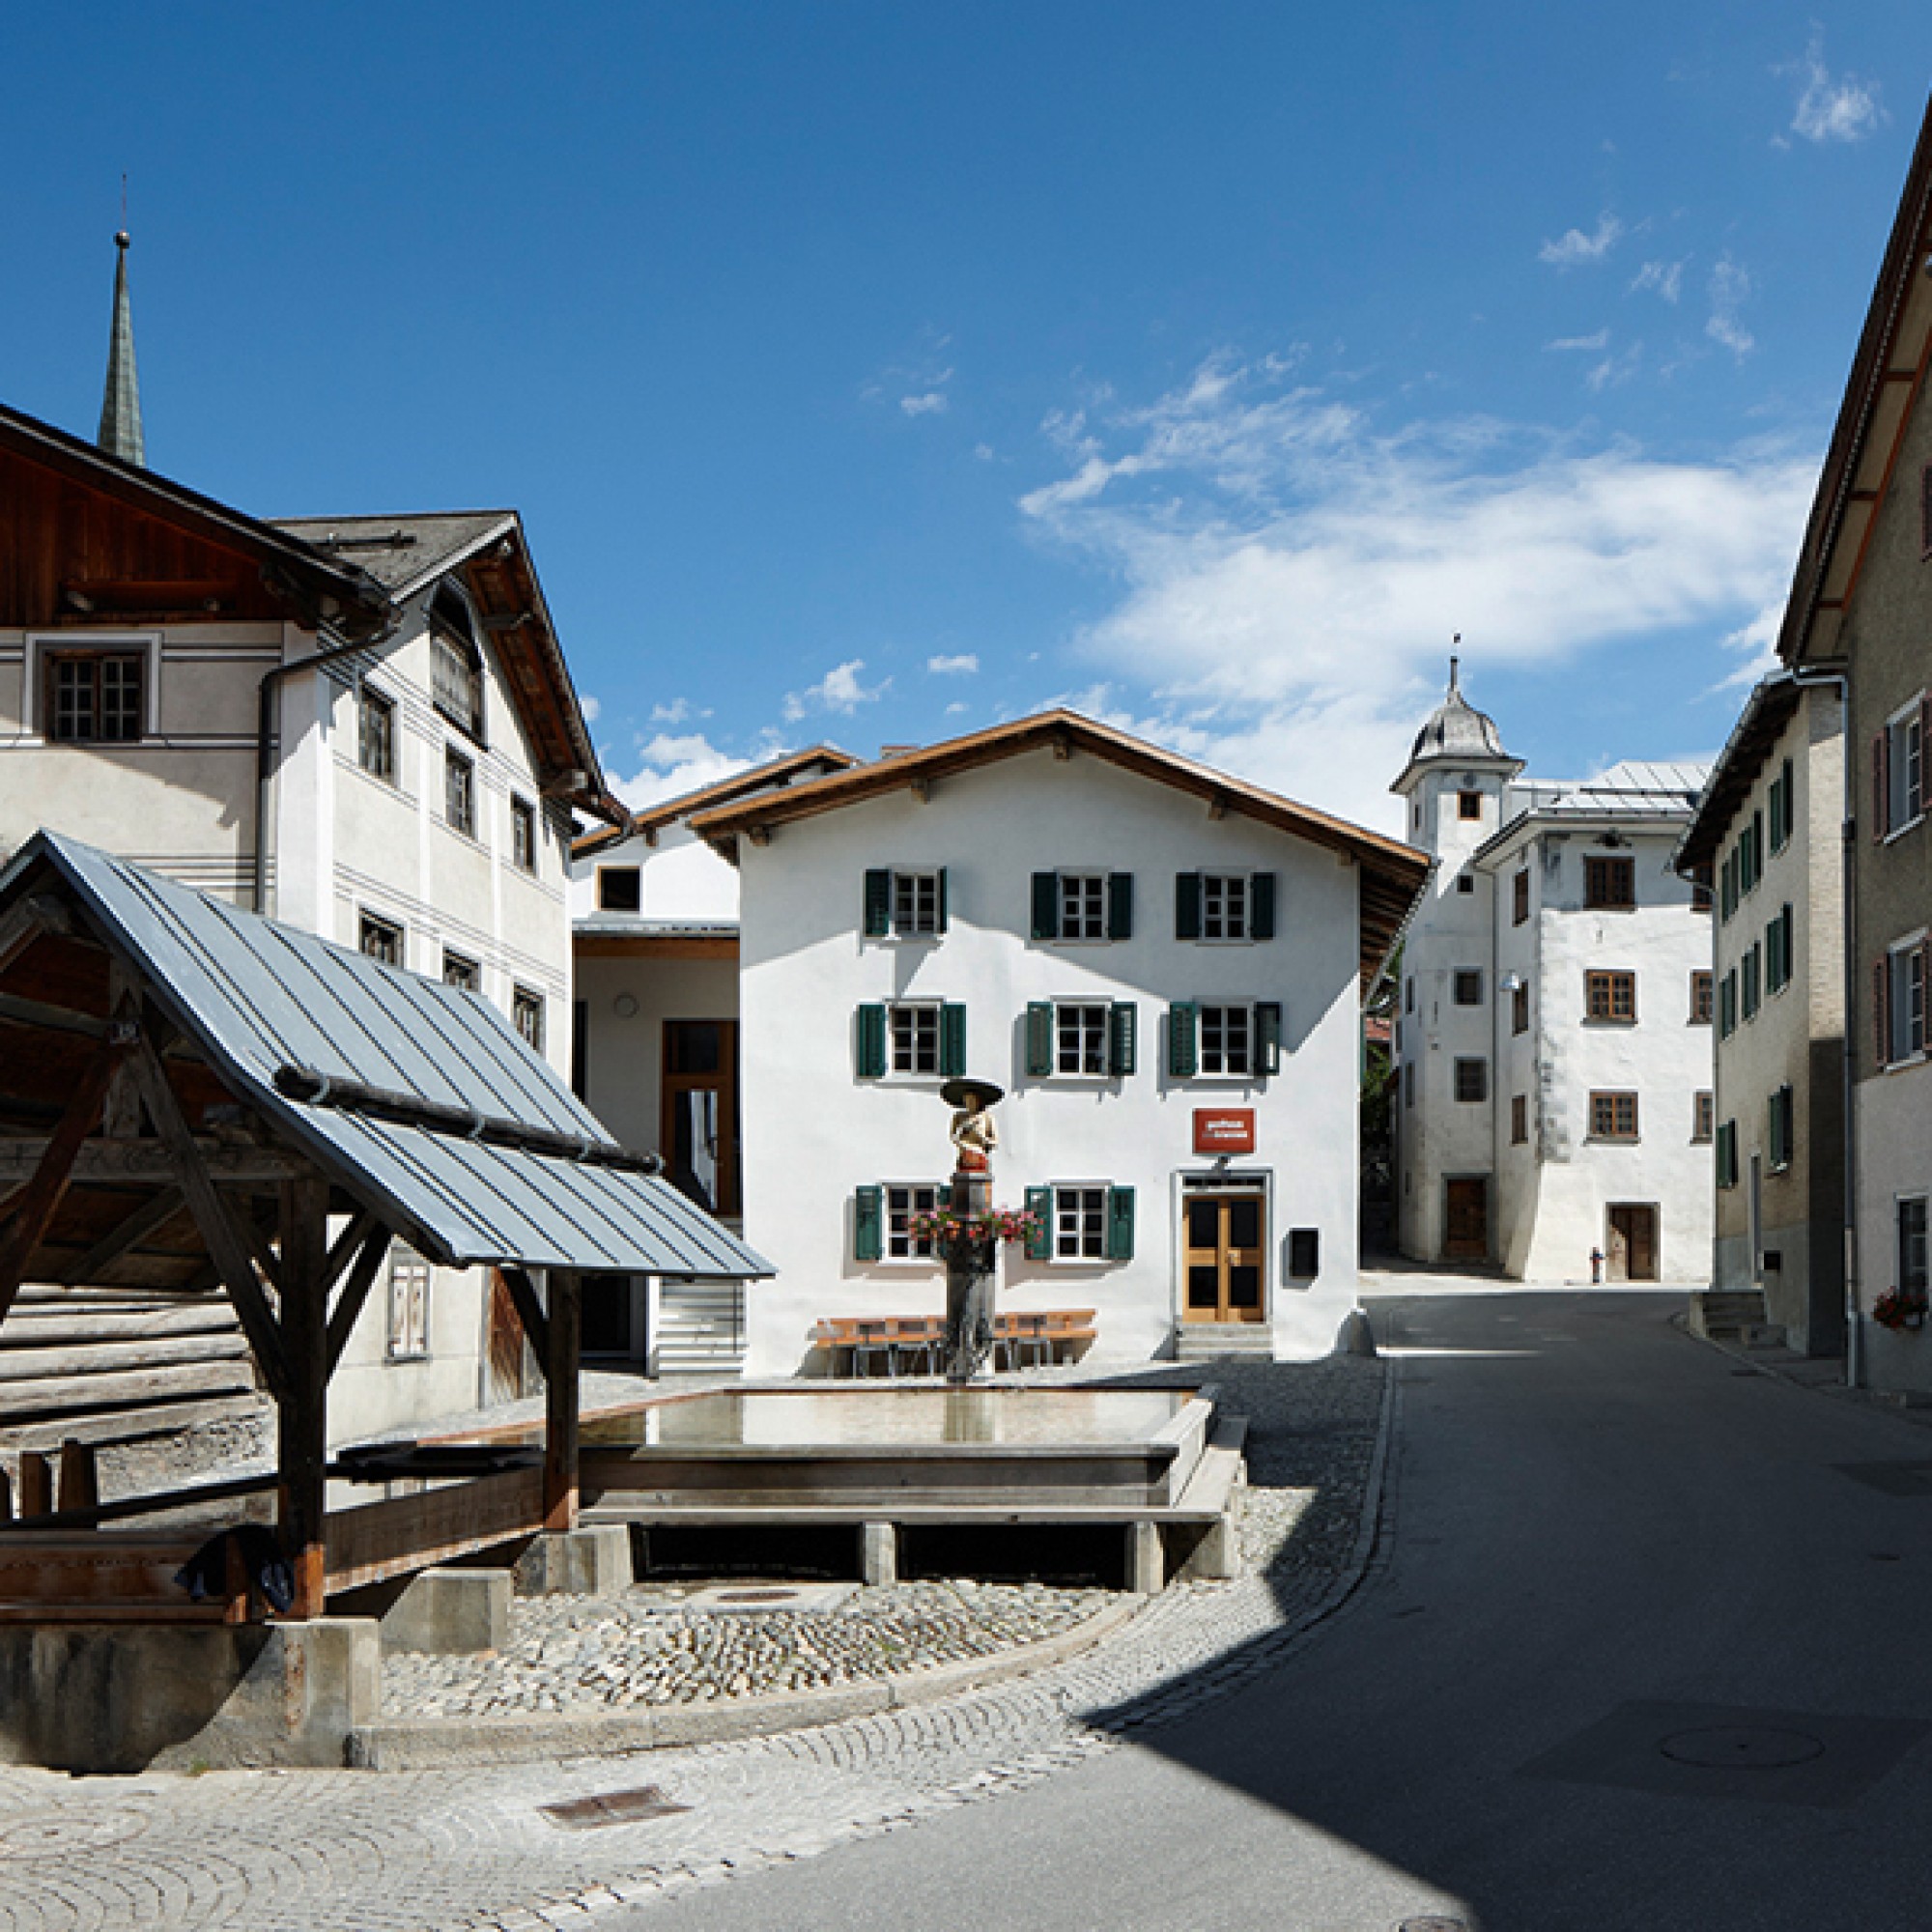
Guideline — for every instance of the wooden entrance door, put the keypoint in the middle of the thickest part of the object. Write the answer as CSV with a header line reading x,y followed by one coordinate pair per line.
x,y
698,1126
1225,1239
1630,1250
1466,1223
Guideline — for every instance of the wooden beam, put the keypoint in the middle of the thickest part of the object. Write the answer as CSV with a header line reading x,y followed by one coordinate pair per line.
x,y
39,1200
121,1115
112,1162
152,1214
21,925
564,1331
261,1249
226,1244
57,1019
303,1417
375,1541
654,945
354,1292
530,1310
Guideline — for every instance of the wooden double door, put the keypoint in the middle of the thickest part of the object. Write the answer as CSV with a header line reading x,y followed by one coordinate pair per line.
x,y
1224,1248
1466,1220
1629,1246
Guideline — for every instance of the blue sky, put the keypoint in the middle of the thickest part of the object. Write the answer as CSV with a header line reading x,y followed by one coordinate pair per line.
x,y
875,372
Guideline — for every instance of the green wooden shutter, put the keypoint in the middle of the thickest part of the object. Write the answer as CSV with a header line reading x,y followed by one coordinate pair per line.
x,y
1039,1037
878,904
1267,1037
1187,905
1260,905
940,895
869,1224
1039,1204
1184,1045
1119,905
1123,1025
951,1041
1046,905
871,1042
1120,1224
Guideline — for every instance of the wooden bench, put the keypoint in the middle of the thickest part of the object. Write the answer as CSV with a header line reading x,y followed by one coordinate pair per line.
x,y
1032,1338
103,1575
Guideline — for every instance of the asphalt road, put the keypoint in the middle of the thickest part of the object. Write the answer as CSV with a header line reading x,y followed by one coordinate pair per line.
x,y
1601,1676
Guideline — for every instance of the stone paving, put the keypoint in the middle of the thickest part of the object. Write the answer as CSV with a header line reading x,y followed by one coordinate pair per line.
x,y
463,1851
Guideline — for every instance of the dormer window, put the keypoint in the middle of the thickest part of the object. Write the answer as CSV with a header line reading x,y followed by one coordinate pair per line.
x,y
456,660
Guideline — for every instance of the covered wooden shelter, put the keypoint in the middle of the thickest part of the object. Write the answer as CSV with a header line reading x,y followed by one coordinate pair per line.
x,y
198,1103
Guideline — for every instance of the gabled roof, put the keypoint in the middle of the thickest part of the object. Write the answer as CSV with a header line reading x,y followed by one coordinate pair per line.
x,y
406,554
1767,711
319,585
783,771
421,1100
1886,379
1392,873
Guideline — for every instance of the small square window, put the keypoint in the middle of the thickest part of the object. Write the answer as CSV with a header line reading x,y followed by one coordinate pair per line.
x,y
1468,805
1080,1029
408,1305
459,793
1224,906
1469,986
902,1202
1473,1080
380,940
913,1032
1082,905
1613,1116
1610,997
620,888
1226,1039
527,1015
1609,884
95,697
462,973
1703,1116
1702,997
522,834
916,903
376,734
1080,1224
1466,883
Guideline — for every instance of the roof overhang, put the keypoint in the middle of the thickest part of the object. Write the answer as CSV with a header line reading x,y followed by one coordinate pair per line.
x,y
655,818
1769,708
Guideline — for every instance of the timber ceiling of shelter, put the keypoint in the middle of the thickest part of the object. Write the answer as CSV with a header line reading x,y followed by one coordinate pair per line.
x,y
1392,873
1888,378
91,539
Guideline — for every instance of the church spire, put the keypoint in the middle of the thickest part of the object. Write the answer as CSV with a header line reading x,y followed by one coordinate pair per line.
x,y
121,404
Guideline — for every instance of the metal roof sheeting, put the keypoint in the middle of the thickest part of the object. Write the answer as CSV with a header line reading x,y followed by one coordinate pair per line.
x,y
258,995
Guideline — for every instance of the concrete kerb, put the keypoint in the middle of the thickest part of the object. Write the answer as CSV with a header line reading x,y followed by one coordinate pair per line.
x,y
429,1744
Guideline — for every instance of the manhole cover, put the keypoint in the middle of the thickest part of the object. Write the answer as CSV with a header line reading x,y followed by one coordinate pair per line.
x,y
756,1596
1732,1746
612,1807
55,1837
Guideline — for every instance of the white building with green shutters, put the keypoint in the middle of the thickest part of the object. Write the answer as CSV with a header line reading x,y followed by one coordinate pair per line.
x,y
1162,965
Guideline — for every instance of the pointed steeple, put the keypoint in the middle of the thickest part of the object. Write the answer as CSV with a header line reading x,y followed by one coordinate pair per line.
x,y
121,404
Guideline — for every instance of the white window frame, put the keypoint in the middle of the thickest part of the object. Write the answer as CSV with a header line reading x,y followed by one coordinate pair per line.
x,y
911,879
461,972
1899,1017
1899,1259
452,759
411,1281
1237,893
928,1008
1247,1071
1095,1025
524,813
527,997
1086,890
917,1197
61,644
1084,1212
372,697
365,919
1904,748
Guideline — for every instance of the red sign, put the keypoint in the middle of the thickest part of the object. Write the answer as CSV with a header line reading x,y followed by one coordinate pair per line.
x,y
1224,1130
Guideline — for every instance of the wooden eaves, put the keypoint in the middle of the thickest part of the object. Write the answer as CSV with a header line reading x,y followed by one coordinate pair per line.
x,y
1392,873
655,818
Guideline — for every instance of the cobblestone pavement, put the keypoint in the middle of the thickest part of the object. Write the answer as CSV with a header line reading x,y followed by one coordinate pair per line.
x,y
464,1850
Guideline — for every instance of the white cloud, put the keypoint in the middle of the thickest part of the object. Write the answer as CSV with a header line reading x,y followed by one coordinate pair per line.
x,y
932,403
1599,340
964,664
678,712
1614,370
1756,642
1666,278
1573,249
673,765
1844,109
839,689
592,710
1730,288
1290,572
983,451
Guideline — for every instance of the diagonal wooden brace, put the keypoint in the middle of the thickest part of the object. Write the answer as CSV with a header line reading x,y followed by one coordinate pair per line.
x,y
37,1203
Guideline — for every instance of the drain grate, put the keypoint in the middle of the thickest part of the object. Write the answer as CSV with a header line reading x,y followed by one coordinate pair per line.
x,y
757,1596
612,1807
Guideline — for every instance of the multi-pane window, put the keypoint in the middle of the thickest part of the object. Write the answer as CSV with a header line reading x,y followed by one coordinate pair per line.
x,y
1613,1116
916,902
1912,1282
1080,1224
376,734
1609,884
1226,1039
1469,986
1751,966
904,1200
913,1031
1902,982
457,971
459,793
1703,1116
1899,774
380,940
456,666
1781,1128
1702,994
1473,1080
1468,805
1610,996
1520,1120
1080,1035
1519,1010
522,834
1224,906
1082,905
95,697
1520,897
620,888
527,1015
408,1305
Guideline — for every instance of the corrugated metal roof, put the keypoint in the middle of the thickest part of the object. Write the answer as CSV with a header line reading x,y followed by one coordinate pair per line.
x,y
258,995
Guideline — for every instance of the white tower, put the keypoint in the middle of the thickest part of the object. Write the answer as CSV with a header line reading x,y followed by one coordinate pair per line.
x,y
1455,785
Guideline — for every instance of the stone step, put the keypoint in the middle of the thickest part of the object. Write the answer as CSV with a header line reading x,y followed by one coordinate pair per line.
x,y
1201,1341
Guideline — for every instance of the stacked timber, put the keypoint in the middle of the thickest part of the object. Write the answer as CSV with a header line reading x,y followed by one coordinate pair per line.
x,y
108,1365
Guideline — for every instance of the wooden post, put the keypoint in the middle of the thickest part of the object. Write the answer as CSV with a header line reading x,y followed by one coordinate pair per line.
x,y
302,1407
36,1482
563,1330
80,1476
